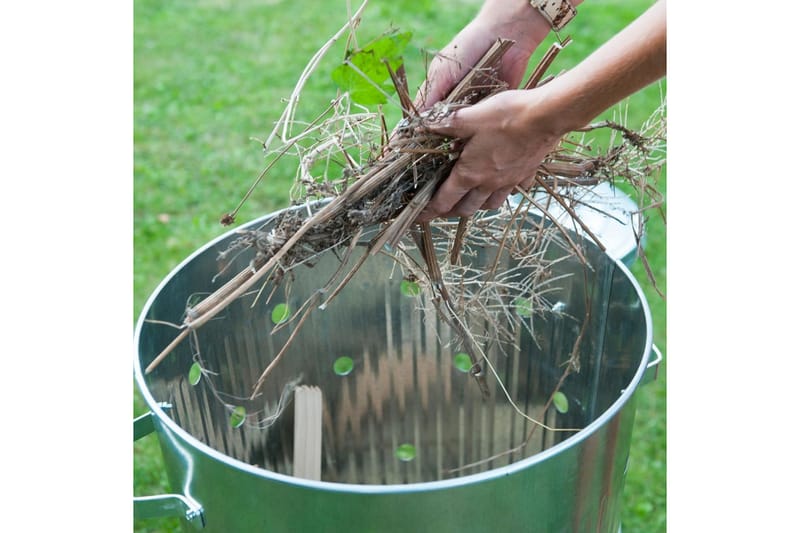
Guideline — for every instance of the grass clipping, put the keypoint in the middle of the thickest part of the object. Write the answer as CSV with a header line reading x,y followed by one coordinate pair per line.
x,y
374,201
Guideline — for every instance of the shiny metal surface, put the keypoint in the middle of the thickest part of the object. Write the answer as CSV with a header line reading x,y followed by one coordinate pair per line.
x,y
403,388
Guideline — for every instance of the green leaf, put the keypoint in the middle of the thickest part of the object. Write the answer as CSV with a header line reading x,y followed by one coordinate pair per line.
x,y
195,373
363,69
361,91
406,452
524,307
409,288
462,362
237,416
389,47
560,402
280,313
343,366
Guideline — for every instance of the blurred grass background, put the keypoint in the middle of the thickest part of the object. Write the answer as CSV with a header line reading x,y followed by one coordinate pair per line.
x,y
210,76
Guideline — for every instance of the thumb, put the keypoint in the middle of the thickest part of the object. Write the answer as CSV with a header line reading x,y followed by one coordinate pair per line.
x,y
431,91
458,124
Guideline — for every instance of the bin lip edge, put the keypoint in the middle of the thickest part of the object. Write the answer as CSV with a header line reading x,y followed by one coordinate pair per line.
x,y
166,422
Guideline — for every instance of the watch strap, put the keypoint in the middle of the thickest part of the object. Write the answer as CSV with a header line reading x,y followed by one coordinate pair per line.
x,y
557,12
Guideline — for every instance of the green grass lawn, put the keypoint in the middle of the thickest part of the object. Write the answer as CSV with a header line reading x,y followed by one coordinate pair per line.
x,y
210,76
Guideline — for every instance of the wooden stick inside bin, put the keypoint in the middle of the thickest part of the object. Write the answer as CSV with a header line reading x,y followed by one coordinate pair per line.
x,y
308,432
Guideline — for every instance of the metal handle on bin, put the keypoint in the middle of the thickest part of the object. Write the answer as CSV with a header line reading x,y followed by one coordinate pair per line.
x,y
651,371
163,505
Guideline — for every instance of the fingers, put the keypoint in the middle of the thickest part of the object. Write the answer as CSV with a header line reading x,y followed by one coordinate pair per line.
x,y
433,90
499,196
495,157
457,125
449,194
460,196
496,199
527,183
465,190
444,73
468,204
440,81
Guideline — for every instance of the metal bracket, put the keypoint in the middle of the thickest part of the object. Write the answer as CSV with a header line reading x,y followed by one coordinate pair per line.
x,y
651,371
163,505
169,505
143,425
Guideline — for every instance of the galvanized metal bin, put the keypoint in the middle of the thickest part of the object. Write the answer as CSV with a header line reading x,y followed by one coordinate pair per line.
x,y
403,390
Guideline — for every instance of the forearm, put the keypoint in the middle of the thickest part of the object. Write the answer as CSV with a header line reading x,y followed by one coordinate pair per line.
x,y
633,59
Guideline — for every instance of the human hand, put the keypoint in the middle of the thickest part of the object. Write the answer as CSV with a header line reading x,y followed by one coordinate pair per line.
x,y
515,20
506,138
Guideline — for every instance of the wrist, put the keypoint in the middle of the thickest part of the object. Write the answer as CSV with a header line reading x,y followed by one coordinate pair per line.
x,y
550,112
516,20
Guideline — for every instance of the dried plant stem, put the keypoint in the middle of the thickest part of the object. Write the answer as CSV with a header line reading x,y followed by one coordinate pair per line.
x,y
572,214
455,253
221,299
544,64
284,349
399,227
482,75
425,244
166,351
345,280
546,213
571,367
287,117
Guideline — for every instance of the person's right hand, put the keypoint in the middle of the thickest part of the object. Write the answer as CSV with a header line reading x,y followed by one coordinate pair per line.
x,y
506,138
510,19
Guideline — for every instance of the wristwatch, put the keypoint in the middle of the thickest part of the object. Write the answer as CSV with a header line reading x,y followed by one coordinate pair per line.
x,y
556,12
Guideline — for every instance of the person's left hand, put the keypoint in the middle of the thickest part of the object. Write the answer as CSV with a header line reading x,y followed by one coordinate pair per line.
x,y
516,21
506,138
